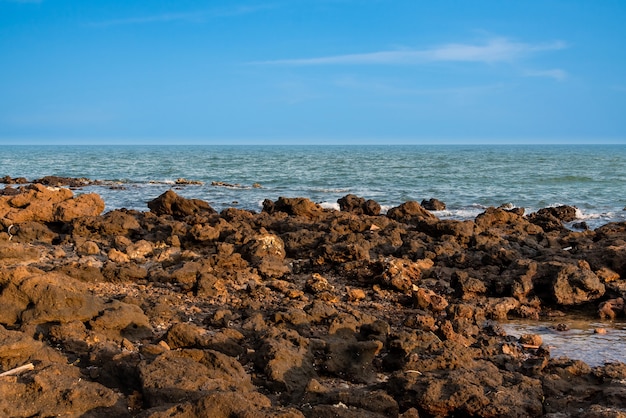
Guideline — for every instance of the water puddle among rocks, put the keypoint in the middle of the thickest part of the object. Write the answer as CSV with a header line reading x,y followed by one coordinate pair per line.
x,y
583,340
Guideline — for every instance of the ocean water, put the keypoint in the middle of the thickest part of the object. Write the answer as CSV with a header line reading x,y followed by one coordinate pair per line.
x,y
468,178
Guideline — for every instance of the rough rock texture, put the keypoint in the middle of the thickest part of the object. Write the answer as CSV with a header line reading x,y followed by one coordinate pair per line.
x,y
297,311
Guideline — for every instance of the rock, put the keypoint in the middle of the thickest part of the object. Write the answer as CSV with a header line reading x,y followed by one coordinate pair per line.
x,y
295,206
120,320
267,253
190,374
56,181
433,204
611,308
533,340
403,274
410,212
358,205
286,358
84,205
170,203
53,390
568,284
563,213
55,297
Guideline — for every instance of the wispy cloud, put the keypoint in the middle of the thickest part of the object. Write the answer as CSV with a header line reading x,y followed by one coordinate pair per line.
x,y
195,16
556,74
494,50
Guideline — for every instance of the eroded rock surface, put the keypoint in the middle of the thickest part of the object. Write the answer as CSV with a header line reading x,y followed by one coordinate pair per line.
x,y
297,311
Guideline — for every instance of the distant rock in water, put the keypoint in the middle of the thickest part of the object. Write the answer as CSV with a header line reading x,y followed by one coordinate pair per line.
x,y
56,181
184,181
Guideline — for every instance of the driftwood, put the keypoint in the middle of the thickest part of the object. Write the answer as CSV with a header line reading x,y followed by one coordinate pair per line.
x,y
18,370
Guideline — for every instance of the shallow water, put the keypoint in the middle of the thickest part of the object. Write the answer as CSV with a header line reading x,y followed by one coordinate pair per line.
x,y
580,342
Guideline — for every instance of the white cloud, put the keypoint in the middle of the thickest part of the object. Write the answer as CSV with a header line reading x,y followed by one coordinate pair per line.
x,y
197,16
494,50
556,74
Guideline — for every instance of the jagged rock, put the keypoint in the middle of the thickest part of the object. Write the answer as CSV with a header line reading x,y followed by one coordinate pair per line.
x,y
170,203
294,206
358,205
433,204
409,212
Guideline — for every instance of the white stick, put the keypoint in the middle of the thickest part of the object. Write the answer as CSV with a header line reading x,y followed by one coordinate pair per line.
x,y
18,370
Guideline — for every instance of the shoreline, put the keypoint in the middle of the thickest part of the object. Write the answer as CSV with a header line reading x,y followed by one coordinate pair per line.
x,y
296,310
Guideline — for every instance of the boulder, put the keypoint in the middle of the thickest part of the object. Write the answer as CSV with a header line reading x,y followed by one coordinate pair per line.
x,y
170,203
567,284
294,206
433,204
358,205
409,212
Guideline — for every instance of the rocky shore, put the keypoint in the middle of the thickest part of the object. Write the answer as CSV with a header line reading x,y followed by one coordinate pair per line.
x,y
296,311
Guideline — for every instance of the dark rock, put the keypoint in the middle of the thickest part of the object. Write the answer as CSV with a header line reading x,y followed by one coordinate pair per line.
x,y
568,284
190,374
409,212
358,205
433,204
170,203
294,206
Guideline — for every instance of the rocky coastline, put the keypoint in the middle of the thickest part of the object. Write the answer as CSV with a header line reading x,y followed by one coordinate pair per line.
x,y
295,311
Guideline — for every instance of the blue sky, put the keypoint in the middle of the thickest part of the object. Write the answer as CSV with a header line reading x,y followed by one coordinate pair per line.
x,y
312,71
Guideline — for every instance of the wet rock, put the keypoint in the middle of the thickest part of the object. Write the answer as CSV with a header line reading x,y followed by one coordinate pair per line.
x,y
410,212
170,203
295,206
433,204
57,181
568,284
611,308
358,205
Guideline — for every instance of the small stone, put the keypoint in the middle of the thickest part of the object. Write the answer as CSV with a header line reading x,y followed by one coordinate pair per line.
x,y
600,331
355,295
531,340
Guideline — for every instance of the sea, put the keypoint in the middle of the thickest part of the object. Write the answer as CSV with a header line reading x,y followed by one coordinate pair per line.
x,y
467,178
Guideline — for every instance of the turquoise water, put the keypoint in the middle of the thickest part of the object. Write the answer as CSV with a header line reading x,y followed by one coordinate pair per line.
x,y
467,178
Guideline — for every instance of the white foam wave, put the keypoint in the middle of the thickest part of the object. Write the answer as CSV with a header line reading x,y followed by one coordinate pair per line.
x,y
330,205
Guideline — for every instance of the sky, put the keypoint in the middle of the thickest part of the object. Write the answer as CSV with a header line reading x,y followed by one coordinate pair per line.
x,y
312,71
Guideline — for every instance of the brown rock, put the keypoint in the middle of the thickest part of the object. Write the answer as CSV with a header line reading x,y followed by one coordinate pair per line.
x,y
295,206
190,374
409,212
55,297
84,205
170,203
433,204
358,205
53,390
